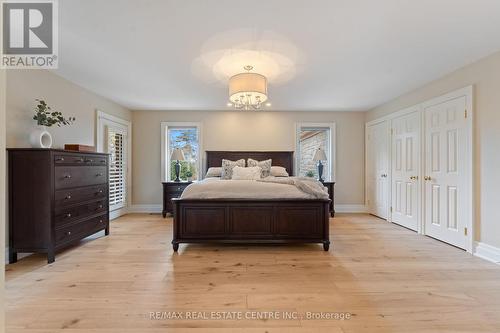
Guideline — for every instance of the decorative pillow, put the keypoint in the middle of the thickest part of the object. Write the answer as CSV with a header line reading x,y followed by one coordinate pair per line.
x,y
214,172
278,171
265,165
251,173
227,167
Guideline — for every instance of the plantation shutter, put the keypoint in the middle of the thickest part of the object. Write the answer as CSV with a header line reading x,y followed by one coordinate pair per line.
x,y
117,168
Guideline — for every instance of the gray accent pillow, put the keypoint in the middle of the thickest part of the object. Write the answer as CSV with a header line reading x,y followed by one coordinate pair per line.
x,y
265,165
227,167
214,172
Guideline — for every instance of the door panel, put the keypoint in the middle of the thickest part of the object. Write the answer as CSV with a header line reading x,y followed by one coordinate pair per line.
x,y
406,170
445,171
377,169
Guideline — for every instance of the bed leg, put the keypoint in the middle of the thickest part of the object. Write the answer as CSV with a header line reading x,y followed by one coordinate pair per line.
x,y
175,246
326,245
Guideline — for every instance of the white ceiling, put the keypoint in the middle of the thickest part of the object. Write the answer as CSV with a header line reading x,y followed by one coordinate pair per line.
x,y
339,54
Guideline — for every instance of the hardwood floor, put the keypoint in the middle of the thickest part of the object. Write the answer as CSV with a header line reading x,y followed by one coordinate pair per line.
x,y
388,278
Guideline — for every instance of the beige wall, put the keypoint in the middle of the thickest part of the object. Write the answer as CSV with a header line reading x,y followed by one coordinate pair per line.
x,y
24,86
485,76
240,130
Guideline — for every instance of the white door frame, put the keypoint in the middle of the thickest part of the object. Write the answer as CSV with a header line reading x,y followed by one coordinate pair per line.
x,y
468,93
103,119
395,115
333,145
388,141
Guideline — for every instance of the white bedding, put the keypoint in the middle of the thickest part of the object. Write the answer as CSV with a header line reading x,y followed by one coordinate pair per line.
x,y
215,188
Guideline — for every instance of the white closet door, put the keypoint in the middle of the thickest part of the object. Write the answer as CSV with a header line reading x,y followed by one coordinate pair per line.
x,y
445,170
406,169
377,169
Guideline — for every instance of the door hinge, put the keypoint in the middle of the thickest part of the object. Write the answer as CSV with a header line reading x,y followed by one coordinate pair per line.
x,y
465,231
465,113
391,209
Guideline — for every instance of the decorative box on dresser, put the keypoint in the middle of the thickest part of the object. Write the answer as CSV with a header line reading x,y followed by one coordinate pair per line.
x,y
56,198
172,190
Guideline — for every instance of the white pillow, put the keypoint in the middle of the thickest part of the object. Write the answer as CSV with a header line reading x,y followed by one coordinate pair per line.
x,y
278,171
251,173
214,172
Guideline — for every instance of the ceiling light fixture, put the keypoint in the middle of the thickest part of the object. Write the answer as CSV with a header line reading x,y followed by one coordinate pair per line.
x,y
247,91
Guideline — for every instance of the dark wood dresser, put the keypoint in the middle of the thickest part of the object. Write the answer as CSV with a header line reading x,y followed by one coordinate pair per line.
x,y
331,193
56,198
171,190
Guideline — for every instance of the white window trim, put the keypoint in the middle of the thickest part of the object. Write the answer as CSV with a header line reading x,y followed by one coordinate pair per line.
x,y
103,119
165,167
333,145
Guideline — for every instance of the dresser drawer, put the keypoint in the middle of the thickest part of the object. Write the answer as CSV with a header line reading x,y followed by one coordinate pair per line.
x,y
75,176
75,195
67,215
80,230
176,188
69,159
171,195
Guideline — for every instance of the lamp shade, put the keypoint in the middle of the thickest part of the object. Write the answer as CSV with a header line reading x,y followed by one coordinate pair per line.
x,y
177,155
319,155
248,85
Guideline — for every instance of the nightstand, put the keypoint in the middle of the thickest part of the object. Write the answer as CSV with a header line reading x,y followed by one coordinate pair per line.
x,y
330,186
172,190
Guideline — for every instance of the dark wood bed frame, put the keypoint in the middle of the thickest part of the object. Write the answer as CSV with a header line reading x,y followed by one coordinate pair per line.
x,y
251,220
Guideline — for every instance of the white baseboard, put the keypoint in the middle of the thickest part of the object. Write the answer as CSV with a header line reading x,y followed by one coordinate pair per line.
x,y
487,252
155,208
350,209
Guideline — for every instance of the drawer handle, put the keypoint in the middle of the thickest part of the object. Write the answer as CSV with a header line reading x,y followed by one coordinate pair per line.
x,y
68,197
100,191
99,175
68,233
60,159
89,161
67,176
79,160
103,161
68,215
99,207
101,221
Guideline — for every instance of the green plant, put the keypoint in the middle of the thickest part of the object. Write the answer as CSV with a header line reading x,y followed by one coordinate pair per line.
x,y
44,116
189,174
310,173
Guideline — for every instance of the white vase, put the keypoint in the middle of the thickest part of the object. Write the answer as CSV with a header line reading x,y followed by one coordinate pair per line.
x,y
40,138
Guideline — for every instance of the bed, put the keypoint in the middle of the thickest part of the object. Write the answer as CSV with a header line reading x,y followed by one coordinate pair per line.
x,y
251,220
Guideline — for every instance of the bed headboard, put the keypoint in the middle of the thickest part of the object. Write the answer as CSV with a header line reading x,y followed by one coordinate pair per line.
x,y
280,158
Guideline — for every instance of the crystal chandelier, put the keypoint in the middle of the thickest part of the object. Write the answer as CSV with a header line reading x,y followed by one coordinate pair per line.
x,y
247,91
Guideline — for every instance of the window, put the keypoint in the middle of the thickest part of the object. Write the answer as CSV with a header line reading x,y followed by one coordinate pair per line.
x,y
113,137
117,168
310,137
185,136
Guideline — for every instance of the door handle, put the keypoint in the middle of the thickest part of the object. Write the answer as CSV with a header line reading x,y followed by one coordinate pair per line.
x,y
427,178
383,175
414,178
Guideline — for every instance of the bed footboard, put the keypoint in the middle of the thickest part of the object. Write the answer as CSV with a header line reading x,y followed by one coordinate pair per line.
x,y
250,221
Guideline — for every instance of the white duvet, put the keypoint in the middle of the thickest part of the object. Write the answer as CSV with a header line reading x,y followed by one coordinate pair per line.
x,y
268,188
